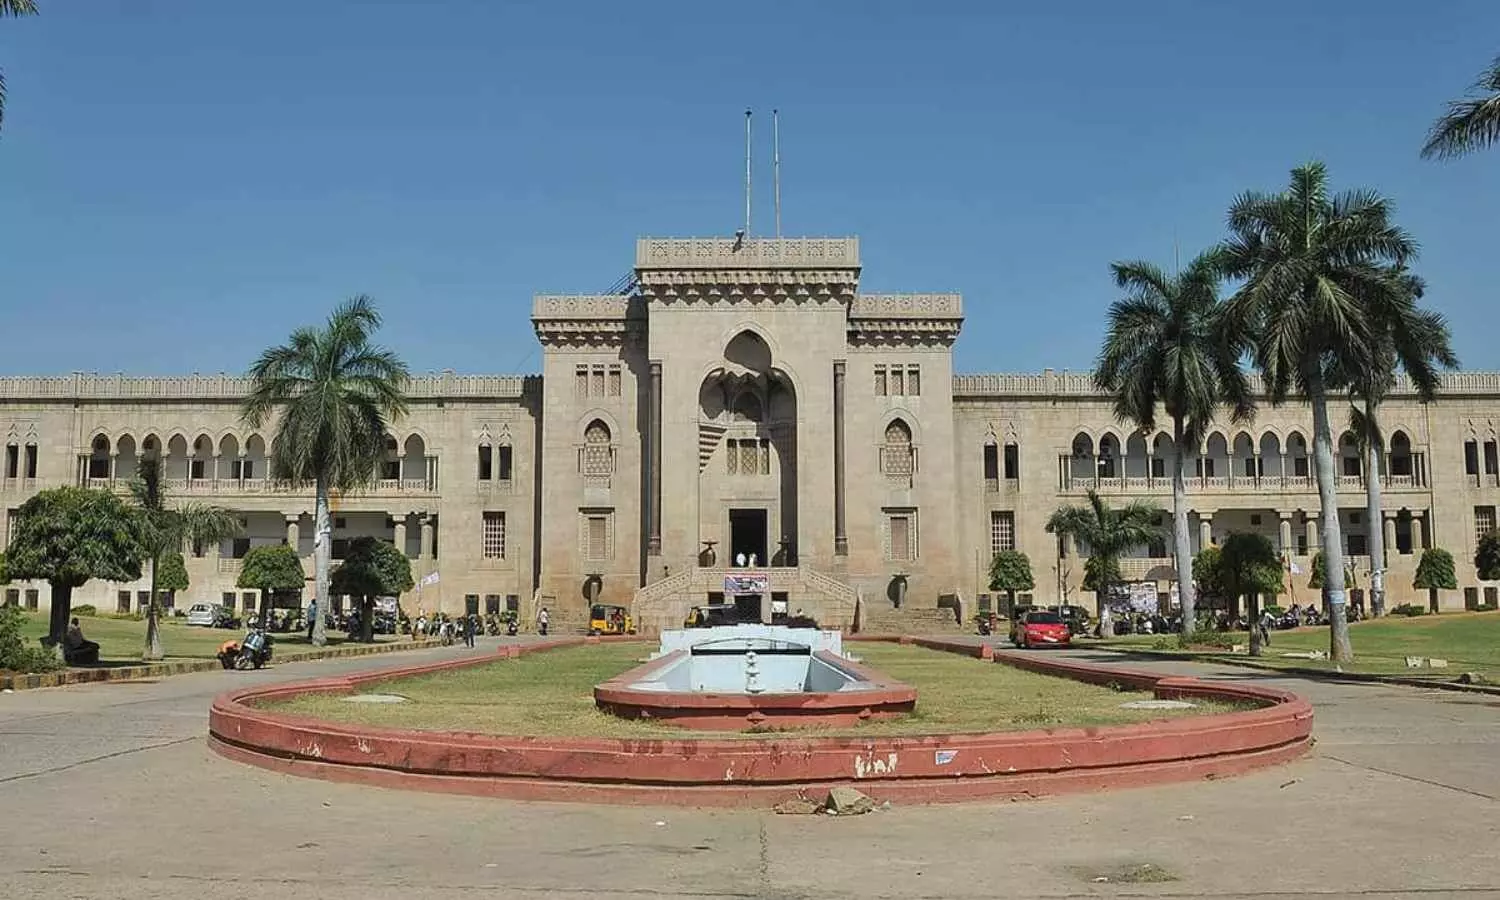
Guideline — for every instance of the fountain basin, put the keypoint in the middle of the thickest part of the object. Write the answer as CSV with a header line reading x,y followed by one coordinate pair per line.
x,y
748,677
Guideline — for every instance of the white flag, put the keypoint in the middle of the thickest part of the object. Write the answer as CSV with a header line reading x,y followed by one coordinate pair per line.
x,y
428,580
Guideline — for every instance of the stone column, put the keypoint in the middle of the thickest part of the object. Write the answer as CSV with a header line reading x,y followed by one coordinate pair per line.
x,y
1312,533
1150,458
1418,536
1390,534
399,538
1205,530
426,550
293,537
653,519
114,466
840,526
216,469
1229,459
1286,532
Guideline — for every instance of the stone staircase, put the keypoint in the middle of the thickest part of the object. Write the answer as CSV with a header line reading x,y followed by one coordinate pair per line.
x,y
709,435
664,604
881,617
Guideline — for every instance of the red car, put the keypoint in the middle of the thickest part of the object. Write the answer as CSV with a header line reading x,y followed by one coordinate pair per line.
x,y
1040,629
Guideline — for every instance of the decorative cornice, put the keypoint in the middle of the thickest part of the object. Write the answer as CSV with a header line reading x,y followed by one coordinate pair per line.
x,y
749,253
82,386
907,306
1049,383
902,333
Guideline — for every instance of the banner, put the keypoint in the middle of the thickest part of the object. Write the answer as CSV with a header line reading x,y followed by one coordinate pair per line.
x,y
747,583
428,580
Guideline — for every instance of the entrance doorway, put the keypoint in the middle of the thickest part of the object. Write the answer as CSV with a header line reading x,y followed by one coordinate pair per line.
x,y
747,535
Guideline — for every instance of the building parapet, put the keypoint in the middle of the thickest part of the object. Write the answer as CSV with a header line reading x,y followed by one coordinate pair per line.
x,y
581,306
907,306
94,386
750,253
1049,383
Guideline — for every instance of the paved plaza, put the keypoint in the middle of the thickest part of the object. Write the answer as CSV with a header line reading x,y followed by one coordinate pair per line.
x,y
109,791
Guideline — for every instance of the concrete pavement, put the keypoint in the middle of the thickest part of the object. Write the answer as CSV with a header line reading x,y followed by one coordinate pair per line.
x,y
108,791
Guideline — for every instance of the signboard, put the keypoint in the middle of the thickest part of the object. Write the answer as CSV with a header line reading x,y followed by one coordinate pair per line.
x,y
747,583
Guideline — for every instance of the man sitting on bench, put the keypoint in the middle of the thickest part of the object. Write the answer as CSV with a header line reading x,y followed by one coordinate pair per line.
x,y
78,651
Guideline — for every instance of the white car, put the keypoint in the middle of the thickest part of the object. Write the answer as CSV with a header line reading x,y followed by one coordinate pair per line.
x,y
202,614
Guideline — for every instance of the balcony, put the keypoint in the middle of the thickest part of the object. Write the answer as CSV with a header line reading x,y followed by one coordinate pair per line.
x,y
1161,485
239,487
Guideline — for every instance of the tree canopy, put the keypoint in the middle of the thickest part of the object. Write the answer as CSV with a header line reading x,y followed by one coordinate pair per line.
x,y
1319,573
1435,571
1469,124
373,568
271,569
1107,532
1010,571
13,8
4,575
1487,556
171,573
1207,574
1248,564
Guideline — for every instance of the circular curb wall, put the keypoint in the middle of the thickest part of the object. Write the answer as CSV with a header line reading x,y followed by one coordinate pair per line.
x,y
758,772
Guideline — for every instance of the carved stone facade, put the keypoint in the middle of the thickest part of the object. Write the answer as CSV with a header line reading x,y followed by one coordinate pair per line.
x,y
743,400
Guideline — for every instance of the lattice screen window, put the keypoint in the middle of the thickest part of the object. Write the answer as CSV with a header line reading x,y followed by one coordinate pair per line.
x,y
614,381
1002,531
898,381
1484,522
900,535
880,381
596,535
913,381
597,385
597,460
747,456
581,382
494,535
896,455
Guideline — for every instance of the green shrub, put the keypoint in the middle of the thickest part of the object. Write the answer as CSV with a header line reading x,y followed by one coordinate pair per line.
x,y
1486,607
85,609
15,654
1409,609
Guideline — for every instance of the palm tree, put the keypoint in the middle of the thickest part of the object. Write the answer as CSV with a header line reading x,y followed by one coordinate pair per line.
x,y
1470,124
166,528
1321,289
1165,347
1107,532
336,394
1426,334
13,8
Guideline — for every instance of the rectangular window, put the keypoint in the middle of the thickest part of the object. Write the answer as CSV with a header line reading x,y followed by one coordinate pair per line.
x,y
471,604
1491,463
898,382
1158,467
33,598
504,463
98,468
880,384
1002,531
239,469
512,602
914,382
1484,522
239,547
142,600
991,462
596,383
1205,467
492,604
227,598
486,463
195,470
122,602
1356,545
1351,466
1471,458
12,461
247,600
614,381
731,457
597,537
1302,544
901,535
1250,466
31,460
1012,462
494,535
1299,466
12,597
581,382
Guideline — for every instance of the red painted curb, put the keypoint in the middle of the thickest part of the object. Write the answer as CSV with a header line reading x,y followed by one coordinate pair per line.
x,y
755,771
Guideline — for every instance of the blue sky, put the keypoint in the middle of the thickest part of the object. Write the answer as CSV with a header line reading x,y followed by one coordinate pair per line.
x,y
182,182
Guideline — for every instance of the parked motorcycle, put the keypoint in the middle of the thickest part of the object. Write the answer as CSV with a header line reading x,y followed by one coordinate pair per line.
x,y
251,653
511,627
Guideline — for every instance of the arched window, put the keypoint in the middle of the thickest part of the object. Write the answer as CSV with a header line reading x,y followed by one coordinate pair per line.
x,y
747,407
896,454
597,459
99,463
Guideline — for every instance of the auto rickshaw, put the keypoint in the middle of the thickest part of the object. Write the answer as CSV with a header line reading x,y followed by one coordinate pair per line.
x,y
605,619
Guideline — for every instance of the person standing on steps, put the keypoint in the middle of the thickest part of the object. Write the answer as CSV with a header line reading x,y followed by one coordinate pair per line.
x,y
542,619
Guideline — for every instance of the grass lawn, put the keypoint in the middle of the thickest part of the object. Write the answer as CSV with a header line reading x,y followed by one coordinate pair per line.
x,y
1469,641
122,640
551,693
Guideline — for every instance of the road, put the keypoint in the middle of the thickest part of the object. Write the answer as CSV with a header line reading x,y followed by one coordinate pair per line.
x,y
109,791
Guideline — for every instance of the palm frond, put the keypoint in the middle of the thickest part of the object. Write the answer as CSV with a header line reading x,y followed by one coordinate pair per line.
x,y
1469,124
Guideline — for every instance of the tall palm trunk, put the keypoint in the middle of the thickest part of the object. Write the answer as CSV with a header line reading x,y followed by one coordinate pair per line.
x,y
1339,649
154,649
1181,545
1373,515
322,561
1106,619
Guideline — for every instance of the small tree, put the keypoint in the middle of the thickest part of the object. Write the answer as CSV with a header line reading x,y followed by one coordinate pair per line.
x,y
4,578
69,535
1487,557
1010,571
1435,573
172,577
1249,567
372,568
1316,580
271,569
1207,574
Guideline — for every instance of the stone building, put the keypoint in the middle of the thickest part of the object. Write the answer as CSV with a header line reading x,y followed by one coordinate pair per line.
x,y
743,400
